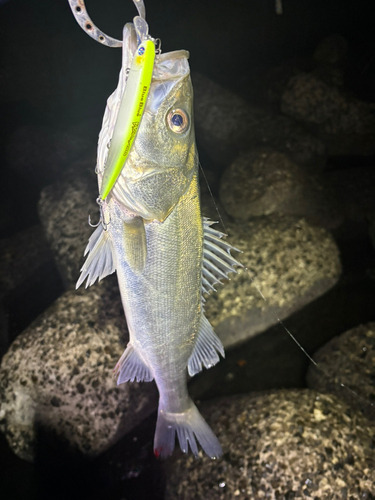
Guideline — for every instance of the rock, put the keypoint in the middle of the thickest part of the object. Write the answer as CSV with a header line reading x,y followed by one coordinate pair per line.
x,y
227,125
265,181
332,50
64,208
354,190
26,267
21,256
58,375
47,153
345,124
349,359
273,81
311,100
290,262
328,62
286,444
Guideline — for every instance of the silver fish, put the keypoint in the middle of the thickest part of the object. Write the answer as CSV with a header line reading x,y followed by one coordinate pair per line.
x,y
165,255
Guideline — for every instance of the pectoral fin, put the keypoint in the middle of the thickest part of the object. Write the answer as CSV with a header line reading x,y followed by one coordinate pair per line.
x,y
135,244
100,261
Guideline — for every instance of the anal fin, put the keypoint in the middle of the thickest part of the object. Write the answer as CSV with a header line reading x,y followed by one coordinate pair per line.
x,y
206,350
131,367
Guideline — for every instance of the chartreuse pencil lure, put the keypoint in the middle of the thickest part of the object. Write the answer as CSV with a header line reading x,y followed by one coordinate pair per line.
x,y
135,95
129,115
167,257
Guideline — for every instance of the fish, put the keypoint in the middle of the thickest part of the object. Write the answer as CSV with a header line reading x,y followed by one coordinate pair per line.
x,y
166,255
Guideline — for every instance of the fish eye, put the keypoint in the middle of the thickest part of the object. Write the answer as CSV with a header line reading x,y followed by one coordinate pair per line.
x,y
178,121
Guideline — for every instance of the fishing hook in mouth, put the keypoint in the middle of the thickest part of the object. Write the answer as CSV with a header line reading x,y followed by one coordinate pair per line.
x,y
80,13
102,221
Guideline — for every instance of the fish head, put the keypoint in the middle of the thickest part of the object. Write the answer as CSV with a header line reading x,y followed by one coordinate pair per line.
x,y
163,158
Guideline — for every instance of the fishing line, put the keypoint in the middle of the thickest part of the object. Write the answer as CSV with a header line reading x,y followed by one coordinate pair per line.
x,y
310,358
213,199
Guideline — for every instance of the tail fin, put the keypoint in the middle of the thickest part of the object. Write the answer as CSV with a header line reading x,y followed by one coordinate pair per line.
x,y
188,425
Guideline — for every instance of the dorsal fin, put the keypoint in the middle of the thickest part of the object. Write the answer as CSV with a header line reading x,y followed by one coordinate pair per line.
x,y
100,261
217,259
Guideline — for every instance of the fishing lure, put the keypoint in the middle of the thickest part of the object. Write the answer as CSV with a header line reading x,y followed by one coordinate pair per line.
x,y
135,96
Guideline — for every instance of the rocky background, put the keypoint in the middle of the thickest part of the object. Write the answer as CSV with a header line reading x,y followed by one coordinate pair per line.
x,y
285,125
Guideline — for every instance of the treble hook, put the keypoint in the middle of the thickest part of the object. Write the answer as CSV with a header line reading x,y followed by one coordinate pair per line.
x,y
105,225
94,225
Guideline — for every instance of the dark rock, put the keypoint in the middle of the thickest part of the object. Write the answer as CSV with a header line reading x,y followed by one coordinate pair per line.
x,y
48,380
328,63
348,359
275,446
29,281
227,125
354,191
332,50
345,124
274,80
289,261
64,208
265,181
311,100
21,256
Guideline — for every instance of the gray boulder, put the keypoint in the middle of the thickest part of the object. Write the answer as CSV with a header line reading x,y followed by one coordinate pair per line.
x,y
29,281
286,444
58,374
348,359
288,260
332,50
354,191
263,182
328,62
345,124
226,126
64,208
22,256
